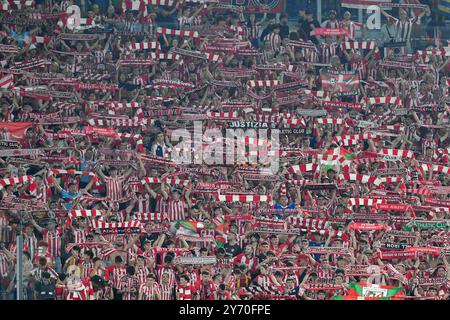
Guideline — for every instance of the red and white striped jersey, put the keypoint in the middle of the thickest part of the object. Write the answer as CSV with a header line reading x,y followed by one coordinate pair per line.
x,y
43,193
79,235
232,281
330,24
160,270
149,291
53,238
132,254
86,268
139,80
167,291
31,243
360,67
141,274
114,188
99,56
77,292
143,203
274,40
267,56
252,31
325,274
126,283
186,292
263,280
327,51
161,204
176,210
404,29
350,27
242,259
4,264
115,274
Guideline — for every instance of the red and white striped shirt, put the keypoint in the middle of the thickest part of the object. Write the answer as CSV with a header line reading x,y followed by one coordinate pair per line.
x,y
166,291
263,280
149,291
252,31
360,67
86,268
327,51
115,274
161,270
114,188
242,259
99,56
126,283
80,235
143,203
31,243
43,193
325,274
4,264
77,292
141,274
275,41
161,204
350,27
186,292
176,210
53,238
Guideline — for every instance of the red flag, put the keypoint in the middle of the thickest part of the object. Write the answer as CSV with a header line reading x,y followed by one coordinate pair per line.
x,y
16,129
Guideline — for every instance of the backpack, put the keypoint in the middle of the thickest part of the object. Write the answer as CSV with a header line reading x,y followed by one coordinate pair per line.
x,y
46,291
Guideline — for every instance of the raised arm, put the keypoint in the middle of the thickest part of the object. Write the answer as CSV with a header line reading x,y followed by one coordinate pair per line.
x,y
164,191
100,173
387,15
38,227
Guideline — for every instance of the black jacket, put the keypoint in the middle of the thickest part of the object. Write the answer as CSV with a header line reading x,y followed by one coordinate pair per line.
x,y
307,27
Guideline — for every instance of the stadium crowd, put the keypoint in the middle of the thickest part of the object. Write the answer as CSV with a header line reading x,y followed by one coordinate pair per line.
x,y
92,90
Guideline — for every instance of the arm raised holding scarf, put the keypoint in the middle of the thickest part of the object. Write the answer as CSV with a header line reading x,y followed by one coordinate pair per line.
x,y
99,170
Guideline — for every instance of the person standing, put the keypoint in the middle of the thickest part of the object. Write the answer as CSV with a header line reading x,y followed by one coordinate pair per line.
x,y
253,28
52,236
274,38
309,25
129,285
404,27
150,290
45,288
115,182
